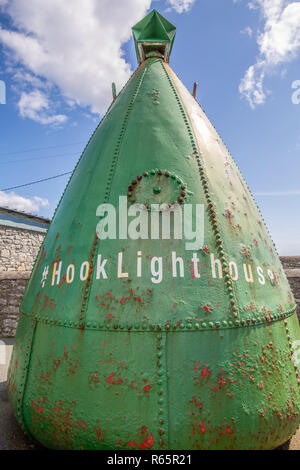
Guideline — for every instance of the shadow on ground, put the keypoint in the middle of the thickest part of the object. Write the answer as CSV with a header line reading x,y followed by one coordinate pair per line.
x,y
11,435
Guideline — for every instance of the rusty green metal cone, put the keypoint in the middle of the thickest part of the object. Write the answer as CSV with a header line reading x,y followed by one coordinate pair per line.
x,y
146,343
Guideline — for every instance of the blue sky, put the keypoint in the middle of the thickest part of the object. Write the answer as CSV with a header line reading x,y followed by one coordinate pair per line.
x,y
58,64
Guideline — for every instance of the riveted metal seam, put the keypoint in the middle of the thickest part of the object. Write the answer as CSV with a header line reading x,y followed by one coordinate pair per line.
x,y
91,137
213,216
116,154
79,160
163,396
239,171
185,325
25,375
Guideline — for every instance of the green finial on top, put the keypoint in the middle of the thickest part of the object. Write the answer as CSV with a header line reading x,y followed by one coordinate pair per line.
x,y
153,37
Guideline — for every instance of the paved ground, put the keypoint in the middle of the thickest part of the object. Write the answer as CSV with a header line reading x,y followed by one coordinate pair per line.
x,y
12,436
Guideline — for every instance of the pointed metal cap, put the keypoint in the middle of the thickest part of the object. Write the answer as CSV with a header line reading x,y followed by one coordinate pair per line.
x,y
153,37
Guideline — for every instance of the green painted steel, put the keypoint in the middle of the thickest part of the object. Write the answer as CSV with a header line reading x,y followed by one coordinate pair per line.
x,y
144,344
153,36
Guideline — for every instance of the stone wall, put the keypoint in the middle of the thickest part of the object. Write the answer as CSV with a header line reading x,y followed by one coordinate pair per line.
x,y
11,293
291,266
290,262
18,248
18,251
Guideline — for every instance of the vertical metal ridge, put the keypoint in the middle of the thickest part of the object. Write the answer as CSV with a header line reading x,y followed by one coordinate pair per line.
x,y
163,396
111,173
233,304
25,375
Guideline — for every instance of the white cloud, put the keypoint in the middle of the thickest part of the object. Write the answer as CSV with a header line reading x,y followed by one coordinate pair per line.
x,y
20,203
278,43
251,86
248,31
76,46
25,78
181,6
35,105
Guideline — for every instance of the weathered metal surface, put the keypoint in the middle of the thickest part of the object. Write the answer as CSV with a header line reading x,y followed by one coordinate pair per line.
x,y
200,355
153,37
